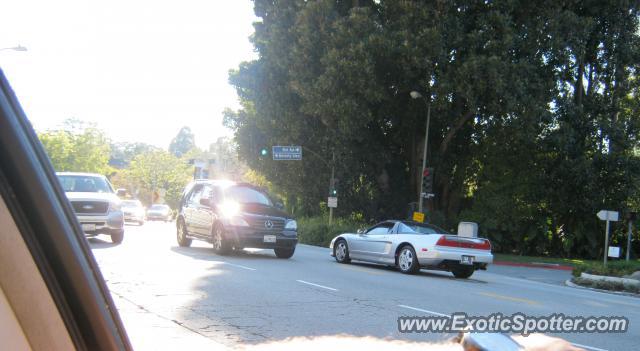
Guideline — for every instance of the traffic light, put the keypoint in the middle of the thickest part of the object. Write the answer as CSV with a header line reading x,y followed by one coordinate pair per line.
x,y
333,188
264,152
427,180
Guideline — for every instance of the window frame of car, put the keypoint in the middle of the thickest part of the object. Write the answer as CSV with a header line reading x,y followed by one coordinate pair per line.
x,y
191,200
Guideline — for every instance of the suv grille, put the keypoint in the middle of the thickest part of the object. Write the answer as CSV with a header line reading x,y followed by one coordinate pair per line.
x,y
262,223
96,207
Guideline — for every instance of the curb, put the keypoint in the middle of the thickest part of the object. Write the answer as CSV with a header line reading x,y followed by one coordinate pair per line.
x,y
554,266
571,284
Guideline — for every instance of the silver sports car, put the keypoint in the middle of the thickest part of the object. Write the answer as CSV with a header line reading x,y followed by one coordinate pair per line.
x,y
411,246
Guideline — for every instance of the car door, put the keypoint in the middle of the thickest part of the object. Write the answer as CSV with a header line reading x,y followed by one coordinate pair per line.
x,y
370,246
204,212
191,206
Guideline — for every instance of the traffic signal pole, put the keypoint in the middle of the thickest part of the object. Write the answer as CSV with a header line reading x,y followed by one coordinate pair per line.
x,y
424,156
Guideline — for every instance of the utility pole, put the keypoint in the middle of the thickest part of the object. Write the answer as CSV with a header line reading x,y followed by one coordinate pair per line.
x,y
424,156
332,182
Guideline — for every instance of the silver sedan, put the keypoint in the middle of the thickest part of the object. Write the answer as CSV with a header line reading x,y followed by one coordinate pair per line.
x,y
411,246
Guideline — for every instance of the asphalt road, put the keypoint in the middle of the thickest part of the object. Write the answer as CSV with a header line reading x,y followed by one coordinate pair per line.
x,y
253,297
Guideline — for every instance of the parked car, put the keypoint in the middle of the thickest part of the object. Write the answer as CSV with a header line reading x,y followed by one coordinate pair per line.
x,y
95,203
234,215
159,212
133,211
410,246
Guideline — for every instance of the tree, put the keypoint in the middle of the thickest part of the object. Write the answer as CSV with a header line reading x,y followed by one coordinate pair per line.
x,y
183,142
123,152
78,147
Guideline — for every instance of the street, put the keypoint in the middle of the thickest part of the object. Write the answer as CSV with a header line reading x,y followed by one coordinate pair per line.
x,y
252,297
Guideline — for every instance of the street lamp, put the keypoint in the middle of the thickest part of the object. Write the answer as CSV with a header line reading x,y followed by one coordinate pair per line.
x,y
15,48
416,95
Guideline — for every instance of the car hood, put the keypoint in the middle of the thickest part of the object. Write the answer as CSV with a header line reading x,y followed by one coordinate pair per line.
x,y
81,196
263,210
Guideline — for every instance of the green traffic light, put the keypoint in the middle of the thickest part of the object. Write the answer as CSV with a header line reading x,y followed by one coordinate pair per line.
x,y
264,152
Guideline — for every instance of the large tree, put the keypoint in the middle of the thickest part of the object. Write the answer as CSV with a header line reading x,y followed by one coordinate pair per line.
x,y
183,142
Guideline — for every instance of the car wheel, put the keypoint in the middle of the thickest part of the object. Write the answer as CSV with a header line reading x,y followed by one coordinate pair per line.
x,y
407,260
284,252
462,272
220,243
181,234
117,237
341,251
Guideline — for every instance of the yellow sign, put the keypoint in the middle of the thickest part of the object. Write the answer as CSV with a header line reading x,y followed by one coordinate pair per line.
x,y
418,217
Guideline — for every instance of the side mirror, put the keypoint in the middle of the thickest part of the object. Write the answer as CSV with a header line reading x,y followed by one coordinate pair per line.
x,y
205,201
360,231
280,205
121,192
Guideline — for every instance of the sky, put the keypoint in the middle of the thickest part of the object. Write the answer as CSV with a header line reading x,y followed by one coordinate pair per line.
x,y
140,69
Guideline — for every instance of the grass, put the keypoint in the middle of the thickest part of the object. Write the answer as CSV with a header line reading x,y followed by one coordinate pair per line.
x,y
614,286
537,259
613,268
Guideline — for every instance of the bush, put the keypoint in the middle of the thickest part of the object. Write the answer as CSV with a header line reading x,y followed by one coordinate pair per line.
x,y
316,230
613,269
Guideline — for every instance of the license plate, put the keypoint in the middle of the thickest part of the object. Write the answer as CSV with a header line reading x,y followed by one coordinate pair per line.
x,y
88,227
269,238
467,260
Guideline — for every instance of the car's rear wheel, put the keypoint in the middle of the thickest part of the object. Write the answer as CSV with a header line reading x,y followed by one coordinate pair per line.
x,y
462,272
284,252
341,251
181,234
117,237
407,260
220,243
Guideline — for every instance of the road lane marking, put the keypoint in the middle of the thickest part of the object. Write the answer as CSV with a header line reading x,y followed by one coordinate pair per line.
x,y
317,285
425,311
509,298
240,266
588,347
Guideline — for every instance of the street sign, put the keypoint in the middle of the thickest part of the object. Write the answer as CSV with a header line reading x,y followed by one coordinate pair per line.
x,y
605,215
614,251
332,202
418,217
287,153
608,216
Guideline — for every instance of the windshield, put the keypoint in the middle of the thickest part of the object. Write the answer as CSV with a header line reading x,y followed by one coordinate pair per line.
x,y
415,228
159,207
246,195
131,203
87,184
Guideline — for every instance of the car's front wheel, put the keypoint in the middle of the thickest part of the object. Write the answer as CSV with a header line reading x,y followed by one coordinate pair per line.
x,y
462,272
341,251
117,237
220,243
181,234
284,252
407,260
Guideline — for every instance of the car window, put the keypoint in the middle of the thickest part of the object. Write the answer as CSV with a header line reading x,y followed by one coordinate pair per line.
x,y
246,195
380,229
194,198
131,203
414,228
86,184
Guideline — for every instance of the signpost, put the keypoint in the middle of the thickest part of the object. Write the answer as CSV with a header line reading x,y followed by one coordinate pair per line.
x,y
286,153
609,216
332,202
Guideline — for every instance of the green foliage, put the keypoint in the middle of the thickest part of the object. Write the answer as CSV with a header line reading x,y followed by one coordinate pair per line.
x,y
153,171
77,147
317,231
183,142
613,268
534,112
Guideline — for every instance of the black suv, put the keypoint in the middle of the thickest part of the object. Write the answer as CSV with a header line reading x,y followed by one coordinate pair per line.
x,y
233,215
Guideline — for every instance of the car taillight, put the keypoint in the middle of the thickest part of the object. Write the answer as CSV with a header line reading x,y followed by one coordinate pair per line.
x,y
477,244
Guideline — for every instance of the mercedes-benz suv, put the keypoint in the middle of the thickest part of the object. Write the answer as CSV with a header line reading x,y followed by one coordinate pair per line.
x,y
95,203
232,215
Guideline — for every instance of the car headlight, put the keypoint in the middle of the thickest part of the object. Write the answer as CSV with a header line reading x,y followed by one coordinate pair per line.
x,y
291,225
114,207
230,209
238,221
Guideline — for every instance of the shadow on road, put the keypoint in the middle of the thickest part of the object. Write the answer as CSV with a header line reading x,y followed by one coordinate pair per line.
x,y
98,243
422,273
206,253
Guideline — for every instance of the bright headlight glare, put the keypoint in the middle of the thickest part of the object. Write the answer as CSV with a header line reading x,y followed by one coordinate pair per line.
x,y
230,209
238,222
291,225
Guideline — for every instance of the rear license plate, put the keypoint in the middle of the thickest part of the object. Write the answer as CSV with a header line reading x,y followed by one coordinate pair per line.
x,y
467,260
269,239
88,227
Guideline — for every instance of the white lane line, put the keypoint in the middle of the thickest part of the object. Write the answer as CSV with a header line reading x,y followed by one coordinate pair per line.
x,y
425,311
240,266
588,347
317,285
